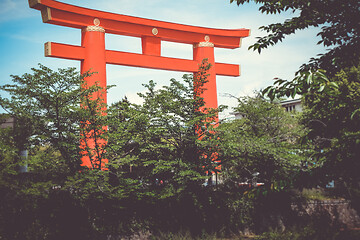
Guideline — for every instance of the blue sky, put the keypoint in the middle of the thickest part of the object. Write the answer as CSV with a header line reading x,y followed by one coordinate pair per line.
x,y
22,38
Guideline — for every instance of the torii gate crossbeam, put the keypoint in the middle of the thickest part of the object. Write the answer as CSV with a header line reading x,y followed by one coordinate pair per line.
x,y
93,55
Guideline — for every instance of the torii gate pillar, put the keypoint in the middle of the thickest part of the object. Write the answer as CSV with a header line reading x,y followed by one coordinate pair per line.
x,y
205,50
93,42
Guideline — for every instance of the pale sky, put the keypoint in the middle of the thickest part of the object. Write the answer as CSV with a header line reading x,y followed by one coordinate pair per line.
x,y
23,34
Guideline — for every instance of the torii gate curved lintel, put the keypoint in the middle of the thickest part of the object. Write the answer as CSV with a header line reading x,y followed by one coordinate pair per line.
x,y
93,54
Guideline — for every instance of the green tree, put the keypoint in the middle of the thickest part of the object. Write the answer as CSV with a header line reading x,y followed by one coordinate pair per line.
x,y
49,108
335,131
330,95
264,141
340,29
159,157
157,142
57,199
46,106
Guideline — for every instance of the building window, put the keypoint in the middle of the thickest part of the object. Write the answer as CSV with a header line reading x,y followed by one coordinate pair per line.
x,y
290,108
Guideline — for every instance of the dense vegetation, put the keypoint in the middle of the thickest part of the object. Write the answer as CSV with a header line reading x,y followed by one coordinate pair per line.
x,y
160,156
328,84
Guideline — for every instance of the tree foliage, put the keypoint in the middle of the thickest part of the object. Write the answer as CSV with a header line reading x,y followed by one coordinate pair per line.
x,y
330,95
157,142
340,31
46,107
334,130
157,163
340,28
264,141
305,82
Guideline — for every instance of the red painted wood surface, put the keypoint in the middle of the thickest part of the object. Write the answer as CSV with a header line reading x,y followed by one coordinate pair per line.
x,y
78,17
93,45
66,51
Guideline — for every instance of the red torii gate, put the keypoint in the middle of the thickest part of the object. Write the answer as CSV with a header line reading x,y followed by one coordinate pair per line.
x,y
94,56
